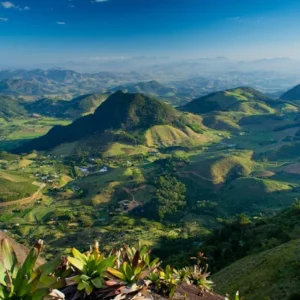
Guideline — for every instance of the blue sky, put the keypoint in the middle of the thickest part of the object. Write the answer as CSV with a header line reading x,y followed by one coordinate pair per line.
x,y
57,30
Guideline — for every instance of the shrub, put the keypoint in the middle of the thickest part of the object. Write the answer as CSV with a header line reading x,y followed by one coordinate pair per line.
x,y
24,282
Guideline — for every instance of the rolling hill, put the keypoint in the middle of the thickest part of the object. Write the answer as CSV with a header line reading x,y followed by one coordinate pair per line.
x,y
292,94
149,87
73,109
11,108
245,100
173,95
129,116
273,272
19,86
263,252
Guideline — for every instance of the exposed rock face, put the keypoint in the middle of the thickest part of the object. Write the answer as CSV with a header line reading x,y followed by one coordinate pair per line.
x,y
188,292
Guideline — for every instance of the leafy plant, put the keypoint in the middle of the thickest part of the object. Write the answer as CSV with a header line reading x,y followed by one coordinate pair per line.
x,y
88,269
24,282
131,274
198,274
166,280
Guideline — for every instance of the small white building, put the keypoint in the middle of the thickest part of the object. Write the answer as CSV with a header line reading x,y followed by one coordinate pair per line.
x,y
104,170
82,169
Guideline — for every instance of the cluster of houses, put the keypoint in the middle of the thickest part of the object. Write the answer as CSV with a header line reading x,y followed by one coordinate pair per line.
x,y
91,170
47,178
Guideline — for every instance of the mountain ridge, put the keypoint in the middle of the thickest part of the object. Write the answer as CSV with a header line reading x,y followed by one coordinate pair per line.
x,y
231,99
121,111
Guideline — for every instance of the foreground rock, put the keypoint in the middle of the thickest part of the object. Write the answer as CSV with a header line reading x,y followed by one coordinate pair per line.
x,y
189,292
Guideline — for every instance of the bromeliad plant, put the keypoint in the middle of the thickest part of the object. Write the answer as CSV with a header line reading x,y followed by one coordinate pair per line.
x,y
197,276
119,275
125,274
25,282
88,271
131,274
166,280
128,274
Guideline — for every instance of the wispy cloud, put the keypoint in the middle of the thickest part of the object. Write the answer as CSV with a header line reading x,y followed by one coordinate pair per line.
x,y
251,21
60,23
7,4
3,19
99,1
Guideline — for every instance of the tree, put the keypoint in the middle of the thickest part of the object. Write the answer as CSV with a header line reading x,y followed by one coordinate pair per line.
x,y
243,219
169,196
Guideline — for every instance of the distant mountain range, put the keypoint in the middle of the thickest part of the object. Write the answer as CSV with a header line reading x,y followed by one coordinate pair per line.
x,y
37,83
138,113
245,100
173,85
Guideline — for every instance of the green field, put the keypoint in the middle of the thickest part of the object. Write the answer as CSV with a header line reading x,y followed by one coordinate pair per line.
x,y
14,131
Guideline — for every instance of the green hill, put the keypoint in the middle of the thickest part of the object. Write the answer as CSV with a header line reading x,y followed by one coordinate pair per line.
x,y
246,100
223,167
11,108
222,121
292,94
258,256
66,109
273,272
149,87
14,186
130,114
173,95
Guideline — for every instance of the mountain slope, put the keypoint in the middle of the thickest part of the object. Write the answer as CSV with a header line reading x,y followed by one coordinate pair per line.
x,y
10,108
246,100
171,95
20,86
150,87
133,113
66,109
273,272
292,94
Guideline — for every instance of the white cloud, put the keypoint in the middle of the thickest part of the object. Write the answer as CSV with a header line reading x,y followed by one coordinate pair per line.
x,y
7,4
4,19
99,1
60,23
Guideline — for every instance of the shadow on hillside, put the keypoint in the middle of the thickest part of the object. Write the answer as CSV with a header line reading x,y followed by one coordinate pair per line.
x,y
6,145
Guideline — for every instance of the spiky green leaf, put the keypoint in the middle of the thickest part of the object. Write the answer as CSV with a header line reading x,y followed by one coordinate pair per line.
x,y
8,254
76,263
80,256
116,273
97,282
